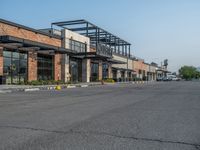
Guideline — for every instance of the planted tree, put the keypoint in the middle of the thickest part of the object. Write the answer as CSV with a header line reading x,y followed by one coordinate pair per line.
x,y
188,72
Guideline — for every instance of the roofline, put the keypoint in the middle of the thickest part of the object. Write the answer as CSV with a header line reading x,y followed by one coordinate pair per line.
x,y
28,28
85,21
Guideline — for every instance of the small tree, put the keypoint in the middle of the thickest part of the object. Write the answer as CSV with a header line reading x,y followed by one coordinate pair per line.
x,y
188,72
197,75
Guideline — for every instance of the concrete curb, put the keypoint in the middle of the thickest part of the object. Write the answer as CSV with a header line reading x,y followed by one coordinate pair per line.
x,y
53,87
5,91
71,86
32,89
84,85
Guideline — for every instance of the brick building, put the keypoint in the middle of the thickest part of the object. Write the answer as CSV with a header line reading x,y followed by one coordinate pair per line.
x,y
27,54
75,51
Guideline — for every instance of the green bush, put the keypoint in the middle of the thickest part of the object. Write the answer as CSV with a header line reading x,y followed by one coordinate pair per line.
x,y
109,80
44,82
137,79
34,82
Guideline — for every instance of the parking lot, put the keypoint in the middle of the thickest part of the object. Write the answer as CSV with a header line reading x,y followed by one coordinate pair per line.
x,y
157,116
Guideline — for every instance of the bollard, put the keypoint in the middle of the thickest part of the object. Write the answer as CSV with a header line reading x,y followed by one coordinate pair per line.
x,y
58,87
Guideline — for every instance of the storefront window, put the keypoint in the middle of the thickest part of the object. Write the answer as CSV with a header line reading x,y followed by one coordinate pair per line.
x,y
77,46
105,70
45,67
94,71
14,67
75,70
114,72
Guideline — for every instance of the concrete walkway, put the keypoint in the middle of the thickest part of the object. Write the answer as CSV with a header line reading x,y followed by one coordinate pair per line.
x,y
26,88
29,88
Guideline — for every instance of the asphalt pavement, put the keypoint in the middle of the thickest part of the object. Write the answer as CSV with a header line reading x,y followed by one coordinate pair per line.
x,y
155,116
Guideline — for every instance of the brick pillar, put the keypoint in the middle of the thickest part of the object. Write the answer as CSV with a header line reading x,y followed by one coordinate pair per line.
x,y
110,71
32,65
57,67
1,61
100,70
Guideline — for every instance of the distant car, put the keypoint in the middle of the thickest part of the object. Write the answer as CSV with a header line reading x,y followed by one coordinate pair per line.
x,y
159,79
167,79
176,79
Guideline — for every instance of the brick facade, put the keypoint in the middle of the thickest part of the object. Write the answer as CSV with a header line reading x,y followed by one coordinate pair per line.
x,y
6,29
32,65
57,66
1,61
33,35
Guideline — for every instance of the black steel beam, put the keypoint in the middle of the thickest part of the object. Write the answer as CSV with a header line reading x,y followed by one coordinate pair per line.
x,y
82,29
90,27
68,22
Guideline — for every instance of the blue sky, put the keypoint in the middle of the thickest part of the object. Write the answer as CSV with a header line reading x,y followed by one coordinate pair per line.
x,y
157,29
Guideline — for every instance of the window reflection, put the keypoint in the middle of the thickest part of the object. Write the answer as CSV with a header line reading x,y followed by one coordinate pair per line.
x,y
45,67
14,66
105,70
94,71
77,46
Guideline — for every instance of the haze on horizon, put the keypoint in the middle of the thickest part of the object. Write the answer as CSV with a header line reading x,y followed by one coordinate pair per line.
x,y
157,29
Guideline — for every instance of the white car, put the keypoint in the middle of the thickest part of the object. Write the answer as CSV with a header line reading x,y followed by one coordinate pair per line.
x,y
175,79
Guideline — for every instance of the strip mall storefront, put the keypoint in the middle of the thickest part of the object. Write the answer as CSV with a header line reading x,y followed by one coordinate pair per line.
x,y
27,54
14,66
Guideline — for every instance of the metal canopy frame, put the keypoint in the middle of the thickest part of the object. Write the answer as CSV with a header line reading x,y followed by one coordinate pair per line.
x,y
24,44
97,35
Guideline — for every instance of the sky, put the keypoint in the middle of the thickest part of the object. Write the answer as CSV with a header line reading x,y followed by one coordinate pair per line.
x,y
157,29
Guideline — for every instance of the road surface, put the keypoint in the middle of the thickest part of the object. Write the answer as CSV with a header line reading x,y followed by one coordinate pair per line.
x,y
157,116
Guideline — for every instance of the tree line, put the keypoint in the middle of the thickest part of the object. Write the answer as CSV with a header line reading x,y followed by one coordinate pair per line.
x,y
189,73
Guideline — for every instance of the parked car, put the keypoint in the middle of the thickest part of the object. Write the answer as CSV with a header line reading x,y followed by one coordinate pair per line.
x,y
176,79
159,79
167,79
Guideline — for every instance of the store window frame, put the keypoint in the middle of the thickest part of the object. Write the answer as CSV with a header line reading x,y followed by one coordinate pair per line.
x,y
94,72
45,67
77,46
16,71
105,70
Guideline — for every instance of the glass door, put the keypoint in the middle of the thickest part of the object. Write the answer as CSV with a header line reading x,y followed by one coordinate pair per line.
x,y
74,71
94,71
7,69
15,70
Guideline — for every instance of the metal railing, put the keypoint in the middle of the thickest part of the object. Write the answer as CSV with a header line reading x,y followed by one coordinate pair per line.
x,y
103,50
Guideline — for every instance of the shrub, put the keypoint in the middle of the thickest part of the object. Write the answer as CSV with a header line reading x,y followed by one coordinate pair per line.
x,y
44,82
109,80
34,82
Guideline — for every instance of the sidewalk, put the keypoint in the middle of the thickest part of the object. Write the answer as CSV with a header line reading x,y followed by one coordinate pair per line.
x,y
27,88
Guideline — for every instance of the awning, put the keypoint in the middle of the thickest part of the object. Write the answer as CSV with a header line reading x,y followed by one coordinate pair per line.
x,y
161,70
92,56
24,44
113,61
122,69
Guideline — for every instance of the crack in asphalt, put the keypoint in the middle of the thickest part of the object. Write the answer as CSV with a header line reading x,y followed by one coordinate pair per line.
x,y
71,131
